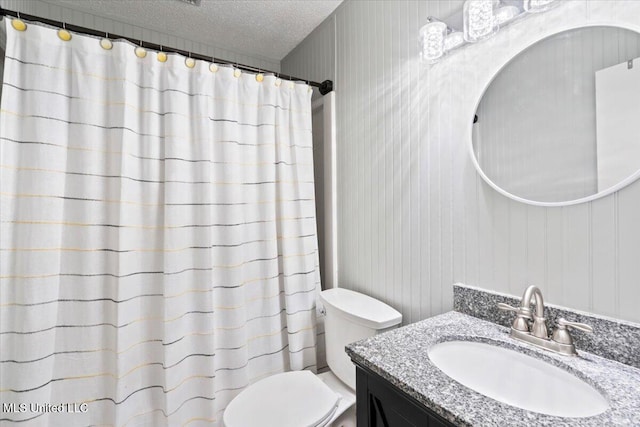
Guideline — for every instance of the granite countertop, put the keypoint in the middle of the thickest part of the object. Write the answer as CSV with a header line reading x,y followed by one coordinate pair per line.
x,y
400,357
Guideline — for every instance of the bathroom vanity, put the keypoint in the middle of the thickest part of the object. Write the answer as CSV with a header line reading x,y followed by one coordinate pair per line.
x,y
398,383
381,404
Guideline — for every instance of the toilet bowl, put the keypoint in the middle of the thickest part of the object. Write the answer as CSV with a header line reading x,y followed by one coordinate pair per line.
x,y
303,399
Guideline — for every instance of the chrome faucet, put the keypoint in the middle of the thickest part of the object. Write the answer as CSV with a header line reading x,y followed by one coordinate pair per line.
x,y
531,327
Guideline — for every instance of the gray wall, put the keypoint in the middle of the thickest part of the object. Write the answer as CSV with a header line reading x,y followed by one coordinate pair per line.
x,y
413,215
75,17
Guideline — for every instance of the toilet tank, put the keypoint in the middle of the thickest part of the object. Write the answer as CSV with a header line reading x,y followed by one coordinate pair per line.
x,y
350,317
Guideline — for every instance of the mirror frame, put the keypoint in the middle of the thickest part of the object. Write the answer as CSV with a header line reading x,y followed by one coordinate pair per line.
x,y
630,179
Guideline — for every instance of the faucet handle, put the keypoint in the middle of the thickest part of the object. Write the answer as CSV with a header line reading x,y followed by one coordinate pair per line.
x,y
519,323
562,322
507,307
561,334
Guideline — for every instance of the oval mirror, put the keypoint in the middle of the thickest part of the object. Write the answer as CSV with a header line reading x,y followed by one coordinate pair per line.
x,y
560,123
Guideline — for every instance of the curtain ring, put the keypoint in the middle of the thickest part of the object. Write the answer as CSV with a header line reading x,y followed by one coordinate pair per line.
x,y
105,43
18,24
63,34
189,61
140,51
161,56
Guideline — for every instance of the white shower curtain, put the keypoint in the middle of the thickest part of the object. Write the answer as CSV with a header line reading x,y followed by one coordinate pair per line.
x,y
158,242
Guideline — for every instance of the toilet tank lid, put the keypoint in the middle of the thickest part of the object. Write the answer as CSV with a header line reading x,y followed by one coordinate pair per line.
x,y
360,308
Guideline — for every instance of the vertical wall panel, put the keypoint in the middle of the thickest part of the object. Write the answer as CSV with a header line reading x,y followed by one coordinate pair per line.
x,y
536,247
628,290
554,257
603,255
486,229
576,256
501,244
517,261
314,57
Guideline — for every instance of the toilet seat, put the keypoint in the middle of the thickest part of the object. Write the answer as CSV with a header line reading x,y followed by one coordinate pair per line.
x,y
290,399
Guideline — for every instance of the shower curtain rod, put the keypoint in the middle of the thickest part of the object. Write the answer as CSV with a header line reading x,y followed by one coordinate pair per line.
x,y
324,87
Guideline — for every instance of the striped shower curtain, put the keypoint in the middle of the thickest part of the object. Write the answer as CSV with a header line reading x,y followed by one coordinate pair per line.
x,y
158,242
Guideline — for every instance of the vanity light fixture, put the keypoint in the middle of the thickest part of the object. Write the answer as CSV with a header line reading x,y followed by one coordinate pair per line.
x,y
478,20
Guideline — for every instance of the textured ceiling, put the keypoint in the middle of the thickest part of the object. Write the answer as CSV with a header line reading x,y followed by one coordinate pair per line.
x,y
263,28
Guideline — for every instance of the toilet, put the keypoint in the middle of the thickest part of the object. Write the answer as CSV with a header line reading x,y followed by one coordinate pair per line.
x,y
303,399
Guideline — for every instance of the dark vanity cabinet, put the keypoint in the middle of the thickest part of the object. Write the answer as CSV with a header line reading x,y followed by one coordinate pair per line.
x,y
380,404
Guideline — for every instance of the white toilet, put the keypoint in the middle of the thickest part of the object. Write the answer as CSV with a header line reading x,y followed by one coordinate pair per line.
x,y
302,399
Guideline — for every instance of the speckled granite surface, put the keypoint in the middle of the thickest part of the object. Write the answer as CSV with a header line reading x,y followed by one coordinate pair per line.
x,y
611,338
400,356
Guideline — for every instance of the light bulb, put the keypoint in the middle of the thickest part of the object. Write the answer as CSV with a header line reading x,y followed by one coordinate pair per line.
x,y
432,37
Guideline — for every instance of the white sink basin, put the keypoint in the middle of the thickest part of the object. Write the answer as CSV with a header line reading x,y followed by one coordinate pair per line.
x,y
517,379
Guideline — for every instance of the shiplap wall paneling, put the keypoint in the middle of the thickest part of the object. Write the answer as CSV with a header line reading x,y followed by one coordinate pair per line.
x,y
555,243
314,57
628,227
603,255
536,252
392,110
386,247
576,289
83,19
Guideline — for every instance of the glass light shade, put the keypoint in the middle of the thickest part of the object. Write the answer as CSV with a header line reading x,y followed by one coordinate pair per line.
x,y
505,14
479,20
453,40
432,38
534,6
